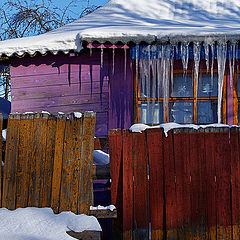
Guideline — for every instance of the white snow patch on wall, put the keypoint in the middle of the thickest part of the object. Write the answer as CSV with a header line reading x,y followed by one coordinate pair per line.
x,y
100,157
99,207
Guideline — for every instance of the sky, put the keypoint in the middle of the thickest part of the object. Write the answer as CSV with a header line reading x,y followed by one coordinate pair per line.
x,y
76,8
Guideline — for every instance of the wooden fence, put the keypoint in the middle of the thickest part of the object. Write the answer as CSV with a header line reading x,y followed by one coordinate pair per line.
x,y
48,162
184,186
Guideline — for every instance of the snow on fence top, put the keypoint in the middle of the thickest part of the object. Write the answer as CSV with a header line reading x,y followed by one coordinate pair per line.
x,y
138,20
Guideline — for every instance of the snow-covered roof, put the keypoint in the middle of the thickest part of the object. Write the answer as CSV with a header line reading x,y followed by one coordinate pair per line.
x,y
138,20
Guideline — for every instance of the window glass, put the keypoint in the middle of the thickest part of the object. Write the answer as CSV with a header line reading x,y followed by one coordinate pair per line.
x,y
181,112
207,87
182,85
146,115
206,112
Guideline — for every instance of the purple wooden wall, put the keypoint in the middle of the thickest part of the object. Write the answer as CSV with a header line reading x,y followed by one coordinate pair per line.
x,y
75,83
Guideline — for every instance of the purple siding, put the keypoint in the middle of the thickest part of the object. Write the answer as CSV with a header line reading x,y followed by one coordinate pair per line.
x,y
121,91
66,84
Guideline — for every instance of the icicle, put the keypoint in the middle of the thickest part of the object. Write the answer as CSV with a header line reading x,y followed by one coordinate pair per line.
x,y
166,74
230,60
171,61
101,56
212,64
113,60
196,54
221,60
206,50
149,79
90,51
185,55
125,63
137,53
154,83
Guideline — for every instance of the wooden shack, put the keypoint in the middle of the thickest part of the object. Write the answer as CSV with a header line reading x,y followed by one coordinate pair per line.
x,y
146,61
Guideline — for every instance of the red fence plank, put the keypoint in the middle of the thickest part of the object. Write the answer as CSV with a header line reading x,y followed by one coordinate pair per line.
x,y
127,185
235,181
141,205
115,148
170,187
156,181
223,201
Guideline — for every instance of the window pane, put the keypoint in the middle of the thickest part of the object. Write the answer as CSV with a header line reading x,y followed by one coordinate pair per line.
x,y
206,112
147,116
182,85
181,112
207,87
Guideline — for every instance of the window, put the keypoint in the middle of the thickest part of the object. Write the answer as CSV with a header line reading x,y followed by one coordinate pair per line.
x,y
188,103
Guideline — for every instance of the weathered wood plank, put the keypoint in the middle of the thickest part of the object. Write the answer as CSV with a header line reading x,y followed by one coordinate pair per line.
x,y
223,171
170,187
86,92
57,167
156,182
9,177
105,213
85,235
85,198
211,190
140,187
127,185
235,181
24,158
116,168
49,159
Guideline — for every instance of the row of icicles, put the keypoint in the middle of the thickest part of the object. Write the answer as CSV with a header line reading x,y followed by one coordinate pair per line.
x,y
154,63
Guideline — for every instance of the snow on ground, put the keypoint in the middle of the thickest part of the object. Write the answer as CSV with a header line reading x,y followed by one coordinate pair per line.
x,y
139,127
136,20
42,224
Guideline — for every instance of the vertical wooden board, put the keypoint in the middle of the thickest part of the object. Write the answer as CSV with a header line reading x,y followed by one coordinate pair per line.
x,y
48,166
38,158
235,181
141,187
181,157
85,199
156,181
198,191
24,158
211,177
9,177
76,133
170,187
65,196
44,160
223,200
127,185
116,168
57,167
203,182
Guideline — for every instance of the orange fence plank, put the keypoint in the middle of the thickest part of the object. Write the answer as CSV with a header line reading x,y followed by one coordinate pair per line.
x,y
85,198
127,185
156,181
141,187
115,147
57,167
9,177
